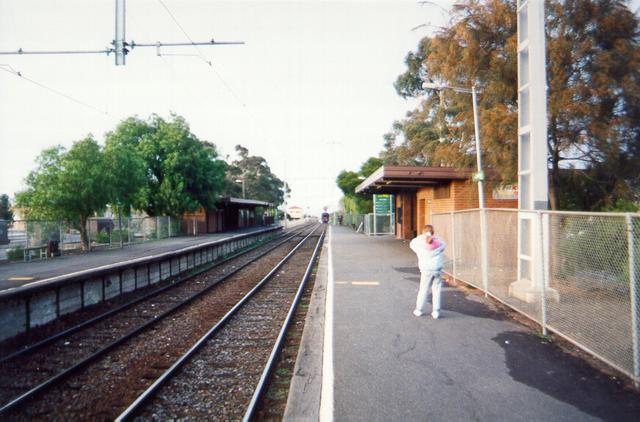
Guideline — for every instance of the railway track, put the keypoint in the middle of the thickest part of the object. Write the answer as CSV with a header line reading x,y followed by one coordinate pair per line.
x,y
36,382
223,375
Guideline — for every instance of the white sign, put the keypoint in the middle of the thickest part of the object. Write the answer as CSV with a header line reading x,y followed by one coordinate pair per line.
x,y
505,192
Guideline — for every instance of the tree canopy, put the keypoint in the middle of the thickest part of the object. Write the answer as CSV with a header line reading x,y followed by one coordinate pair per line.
x,y
67,185
593,65
5,208
259,182
348,181
156,165
182,173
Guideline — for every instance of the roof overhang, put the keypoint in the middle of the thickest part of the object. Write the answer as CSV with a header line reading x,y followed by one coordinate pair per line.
x,y
391,179
245,202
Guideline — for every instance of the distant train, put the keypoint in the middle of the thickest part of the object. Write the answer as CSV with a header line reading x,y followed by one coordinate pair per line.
x,y
325,217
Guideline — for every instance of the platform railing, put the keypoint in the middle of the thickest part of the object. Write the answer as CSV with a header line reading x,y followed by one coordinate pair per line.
x,y
590,288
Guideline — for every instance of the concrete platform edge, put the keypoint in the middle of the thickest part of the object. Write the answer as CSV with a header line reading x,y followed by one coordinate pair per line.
x,y
303,403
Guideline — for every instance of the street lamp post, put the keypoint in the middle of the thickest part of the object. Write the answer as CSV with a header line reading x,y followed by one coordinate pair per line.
x,y
241,181
476,129
479,177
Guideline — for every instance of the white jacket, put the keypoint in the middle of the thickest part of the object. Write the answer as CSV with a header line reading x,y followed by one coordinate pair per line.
x,y
429,260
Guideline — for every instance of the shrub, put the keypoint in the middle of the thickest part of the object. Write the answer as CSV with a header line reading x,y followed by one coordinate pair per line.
x,y
16,254
102,237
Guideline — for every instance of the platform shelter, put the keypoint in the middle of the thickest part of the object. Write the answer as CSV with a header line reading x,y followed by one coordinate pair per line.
x,y
421,192
229,214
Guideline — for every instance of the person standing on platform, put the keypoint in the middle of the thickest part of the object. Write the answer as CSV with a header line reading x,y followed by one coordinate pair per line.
x,y
430,251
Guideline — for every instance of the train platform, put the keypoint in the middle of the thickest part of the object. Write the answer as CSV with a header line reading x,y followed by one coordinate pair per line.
x,y
380,362
19,274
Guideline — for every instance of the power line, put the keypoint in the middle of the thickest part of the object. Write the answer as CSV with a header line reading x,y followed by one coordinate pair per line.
x,y
14,72
219,76
204,59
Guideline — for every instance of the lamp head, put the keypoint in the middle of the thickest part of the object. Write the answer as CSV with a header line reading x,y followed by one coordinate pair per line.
x,y
430,85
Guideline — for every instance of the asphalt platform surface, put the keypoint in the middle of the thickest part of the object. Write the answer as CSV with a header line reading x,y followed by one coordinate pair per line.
x,y
14,274
473,364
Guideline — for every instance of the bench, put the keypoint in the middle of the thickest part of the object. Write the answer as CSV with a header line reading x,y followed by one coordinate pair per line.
x,y
35,251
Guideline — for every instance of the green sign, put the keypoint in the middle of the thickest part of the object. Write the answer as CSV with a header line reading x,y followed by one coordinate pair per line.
x,y
478,177
382,204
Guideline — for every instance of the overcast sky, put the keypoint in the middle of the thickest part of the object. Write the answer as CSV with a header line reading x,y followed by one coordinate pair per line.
x,y
311,91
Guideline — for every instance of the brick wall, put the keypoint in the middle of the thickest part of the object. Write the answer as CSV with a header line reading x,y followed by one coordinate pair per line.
x,y
463,195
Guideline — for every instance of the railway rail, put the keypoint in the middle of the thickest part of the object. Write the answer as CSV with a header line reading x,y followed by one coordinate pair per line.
x,y
223,375
57,367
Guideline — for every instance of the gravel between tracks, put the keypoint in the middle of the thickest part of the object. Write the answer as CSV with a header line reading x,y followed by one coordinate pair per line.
x,y
219,381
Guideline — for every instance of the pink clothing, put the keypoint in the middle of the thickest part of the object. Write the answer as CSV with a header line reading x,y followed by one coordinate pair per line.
x,y
435,244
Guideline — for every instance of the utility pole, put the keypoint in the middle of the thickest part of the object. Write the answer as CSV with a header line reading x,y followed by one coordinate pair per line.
x,y
120,47
119,41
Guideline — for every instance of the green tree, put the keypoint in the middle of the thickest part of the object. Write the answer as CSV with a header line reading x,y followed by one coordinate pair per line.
x,y
67,185
347,181
259,182
127,174
5,208
182,173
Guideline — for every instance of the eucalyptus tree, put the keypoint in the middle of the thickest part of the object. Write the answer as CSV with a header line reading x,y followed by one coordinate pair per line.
x,y
593,71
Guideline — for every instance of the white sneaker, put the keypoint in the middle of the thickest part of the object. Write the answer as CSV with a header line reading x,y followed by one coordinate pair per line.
x,y
417,313
435,315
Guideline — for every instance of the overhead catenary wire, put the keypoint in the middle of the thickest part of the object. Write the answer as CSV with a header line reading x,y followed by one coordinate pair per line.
x,y
19,74
202,56
208,62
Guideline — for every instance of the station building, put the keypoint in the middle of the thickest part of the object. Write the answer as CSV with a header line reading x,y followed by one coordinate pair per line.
x,y
229,214
420,192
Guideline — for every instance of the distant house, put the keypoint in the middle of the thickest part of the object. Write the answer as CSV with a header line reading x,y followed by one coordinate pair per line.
x,y
295,212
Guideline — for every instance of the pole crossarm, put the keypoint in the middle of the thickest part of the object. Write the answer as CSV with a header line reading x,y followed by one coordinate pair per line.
x,y
128,47
20,51
134,44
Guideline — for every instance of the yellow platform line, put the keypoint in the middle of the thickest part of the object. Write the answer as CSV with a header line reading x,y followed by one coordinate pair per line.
x,y
359,283
20,278
365,283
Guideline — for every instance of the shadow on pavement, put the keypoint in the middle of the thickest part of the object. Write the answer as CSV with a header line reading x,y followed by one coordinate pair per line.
x,y
545,367
457,301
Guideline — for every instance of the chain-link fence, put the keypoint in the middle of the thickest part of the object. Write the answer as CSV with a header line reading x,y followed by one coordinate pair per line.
x,y
39,239
113,232
585,274
355,221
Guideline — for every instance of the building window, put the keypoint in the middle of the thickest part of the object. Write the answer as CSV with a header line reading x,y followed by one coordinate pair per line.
x,y
442,192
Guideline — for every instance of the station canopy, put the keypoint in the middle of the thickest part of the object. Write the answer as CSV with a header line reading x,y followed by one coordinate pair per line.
x,y
243,202
391,179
